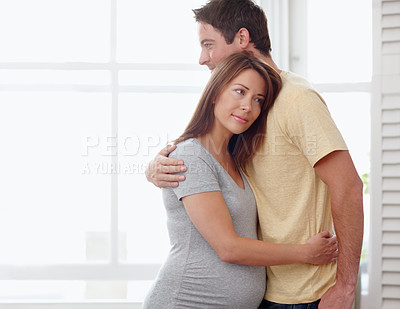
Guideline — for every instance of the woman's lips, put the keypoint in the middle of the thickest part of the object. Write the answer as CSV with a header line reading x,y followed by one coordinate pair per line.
x,y
240,119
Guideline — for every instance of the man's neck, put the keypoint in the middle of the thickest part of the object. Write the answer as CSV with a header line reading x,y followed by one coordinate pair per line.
x,y
272,64
267,59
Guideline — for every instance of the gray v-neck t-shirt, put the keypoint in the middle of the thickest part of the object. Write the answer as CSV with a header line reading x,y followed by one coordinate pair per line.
x,y
193,276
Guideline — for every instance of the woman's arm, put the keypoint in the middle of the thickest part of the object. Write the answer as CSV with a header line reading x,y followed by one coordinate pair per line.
x,y
212,219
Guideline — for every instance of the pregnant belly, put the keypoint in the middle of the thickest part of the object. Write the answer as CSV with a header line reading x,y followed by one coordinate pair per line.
x,y
222,285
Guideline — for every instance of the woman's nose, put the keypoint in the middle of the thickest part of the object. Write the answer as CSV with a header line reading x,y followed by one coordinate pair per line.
x,y
246,105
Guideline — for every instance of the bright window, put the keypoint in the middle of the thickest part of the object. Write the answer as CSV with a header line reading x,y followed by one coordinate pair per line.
x,y
89,92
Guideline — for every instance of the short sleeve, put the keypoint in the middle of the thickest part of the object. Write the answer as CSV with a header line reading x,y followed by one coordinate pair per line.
x,y
311,127
201,175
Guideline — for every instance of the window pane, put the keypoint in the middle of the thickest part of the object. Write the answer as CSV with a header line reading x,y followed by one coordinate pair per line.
x,y
41,290
157,31
165,78
351,112
47,30
339,41
50,200
73,291
146,123
54,77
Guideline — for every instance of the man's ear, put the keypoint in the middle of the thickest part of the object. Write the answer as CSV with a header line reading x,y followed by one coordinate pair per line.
x,y
243,38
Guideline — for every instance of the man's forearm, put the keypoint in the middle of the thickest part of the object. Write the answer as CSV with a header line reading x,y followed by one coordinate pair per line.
x,y
338,172
348,218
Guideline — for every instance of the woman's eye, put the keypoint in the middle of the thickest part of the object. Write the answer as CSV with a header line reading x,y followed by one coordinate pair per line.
x,y
240,91
259,100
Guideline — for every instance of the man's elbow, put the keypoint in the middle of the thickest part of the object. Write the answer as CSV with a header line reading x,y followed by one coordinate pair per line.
x,y
358,197
351,194
356,187
351,187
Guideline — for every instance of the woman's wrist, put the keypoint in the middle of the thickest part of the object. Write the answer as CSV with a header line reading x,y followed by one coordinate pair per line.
x,y
305,253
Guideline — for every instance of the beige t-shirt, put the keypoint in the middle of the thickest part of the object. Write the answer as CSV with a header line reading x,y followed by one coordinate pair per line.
x,y
293,202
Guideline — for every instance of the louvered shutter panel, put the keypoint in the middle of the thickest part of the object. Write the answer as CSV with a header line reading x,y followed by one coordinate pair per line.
x,y
385,208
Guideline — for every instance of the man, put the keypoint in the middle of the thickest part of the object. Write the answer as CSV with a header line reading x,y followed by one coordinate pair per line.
x,y
303,177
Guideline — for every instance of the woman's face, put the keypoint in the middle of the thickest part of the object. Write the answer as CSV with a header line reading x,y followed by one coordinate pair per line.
x,y
239,103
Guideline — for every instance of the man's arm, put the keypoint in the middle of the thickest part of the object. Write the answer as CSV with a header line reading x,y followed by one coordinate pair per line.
x,y
159,170
338,172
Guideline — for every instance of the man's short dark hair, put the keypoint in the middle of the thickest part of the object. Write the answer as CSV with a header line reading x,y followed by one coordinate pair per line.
x,y
228,16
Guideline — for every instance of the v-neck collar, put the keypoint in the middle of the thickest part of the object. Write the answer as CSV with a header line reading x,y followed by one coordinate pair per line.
x,y
240,171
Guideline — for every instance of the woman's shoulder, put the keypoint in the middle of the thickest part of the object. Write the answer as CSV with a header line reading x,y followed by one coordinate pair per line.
x,y
189,147
191,150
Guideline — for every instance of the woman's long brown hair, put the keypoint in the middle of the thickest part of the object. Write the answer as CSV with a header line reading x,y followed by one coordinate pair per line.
x,y
242,146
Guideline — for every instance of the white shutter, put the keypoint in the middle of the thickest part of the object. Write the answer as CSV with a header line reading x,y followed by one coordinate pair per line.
x,y
385,171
